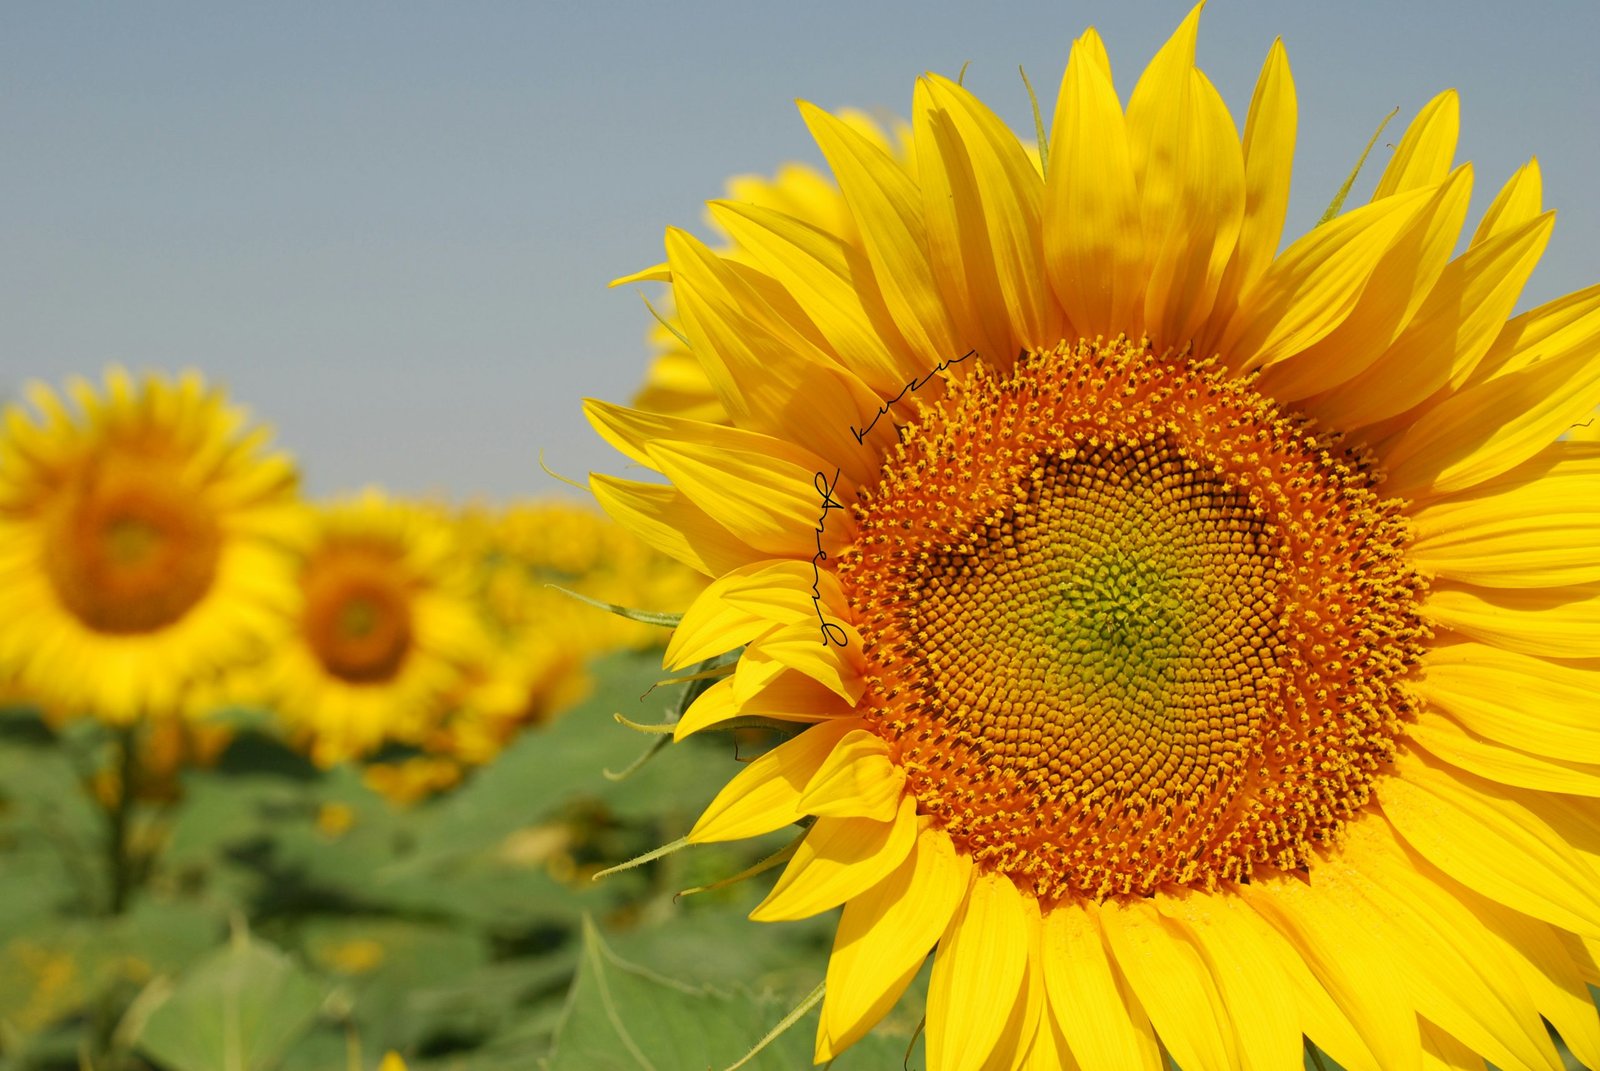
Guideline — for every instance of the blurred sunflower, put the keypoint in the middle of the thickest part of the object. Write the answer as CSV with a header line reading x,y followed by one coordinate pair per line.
x,y
1194,644
142,543
386,632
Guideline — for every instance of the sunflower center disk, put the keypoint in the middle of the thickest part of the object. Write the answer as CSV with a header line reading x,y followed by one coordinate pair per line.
x,y
133,550
1129,625
358,614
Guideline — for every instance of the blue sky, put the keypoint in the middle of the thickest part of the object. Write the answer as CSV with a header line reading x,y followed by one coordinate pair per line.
x,y
388,227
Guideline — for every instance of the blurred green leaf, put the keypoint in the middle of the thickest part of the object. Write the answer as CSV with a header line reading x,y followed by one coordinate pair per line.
x,y
624,1017
239,1009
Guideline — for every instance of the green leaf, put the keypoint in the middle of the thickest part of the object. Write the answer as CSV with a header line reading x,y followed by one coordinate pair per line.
x,y
239,1009
624,1017
620,1016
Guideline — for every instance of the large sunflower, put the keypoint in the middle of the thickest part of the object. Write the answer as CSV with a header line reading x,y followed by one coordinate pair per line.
x,y
142,543
386,638
1195,645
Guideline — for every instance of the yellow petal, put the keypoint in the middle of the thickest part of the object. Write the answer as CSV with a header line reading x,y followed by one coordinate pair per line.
x,y
790,592
1477,833
1516,700
1093,243
978,974
816,269
840,858
712,625
711,706
1536,526
1269,137
1455,975
1329,930
884,935
1189,168
1518,201
958,240
1494,425
1425,153
1453,329
1544,622
1243,965
802,648
656,273
766,793
1555,327
665,519
1441,1052
1443,738
1310,290
1404,277
747,327
1011,1050
857,781
1537,954
772,503
887,208
1173,983
1103,1022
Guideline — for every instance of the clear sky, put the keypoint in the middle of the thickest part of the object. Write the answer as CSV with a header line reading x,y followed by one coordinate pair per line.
x,y
388,227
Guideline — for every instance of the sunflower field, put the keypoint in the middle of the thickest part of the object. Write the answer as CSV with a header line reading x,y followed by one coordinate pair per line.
x,y
295,784
1043,615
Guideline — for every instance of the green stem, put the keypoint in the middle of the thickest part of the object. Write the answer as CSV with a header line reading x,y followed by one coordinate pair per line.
x,y
1316,1056
119,821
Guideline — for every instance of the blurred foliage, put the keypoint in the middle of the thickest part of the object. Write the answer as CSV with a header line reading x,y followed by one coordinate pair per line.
x,y
285,916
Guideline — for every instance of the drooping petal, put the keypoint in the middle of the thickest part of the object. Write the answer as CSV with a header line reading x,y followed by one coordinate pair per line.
x,y
857,780
839,859
977,975
1104,1024
884,935
765,795
1173,983
1489,842
665,518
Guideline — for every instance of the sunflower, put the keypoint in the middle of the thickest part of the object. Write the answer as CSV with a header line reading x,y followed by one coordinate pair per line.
x,y
386,635
142,543
1192,644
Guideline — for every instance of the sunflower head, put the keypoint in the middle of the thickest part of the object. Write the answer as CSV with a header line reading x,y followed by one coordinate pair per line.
x,y
1173,626
385,634
144,538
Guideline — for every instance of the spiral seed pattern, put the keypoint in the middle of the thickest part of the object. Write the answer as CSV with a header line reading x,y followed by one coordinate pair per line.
x,y
1130,626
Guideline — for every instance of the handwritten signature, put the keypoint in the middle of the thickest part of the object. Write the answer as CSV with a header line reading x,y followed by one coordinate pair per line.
x,y
833,633
914,384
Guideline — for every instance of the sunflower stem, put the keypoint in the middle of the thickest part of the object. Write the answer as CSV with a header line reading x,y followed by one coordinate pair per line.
x,y
119,819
